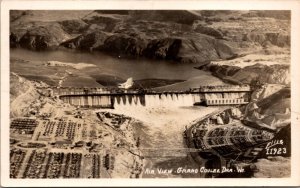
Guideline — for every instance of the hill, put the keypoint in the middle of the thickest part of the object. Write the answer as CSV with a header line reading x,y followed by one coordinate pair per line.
x,y
177,35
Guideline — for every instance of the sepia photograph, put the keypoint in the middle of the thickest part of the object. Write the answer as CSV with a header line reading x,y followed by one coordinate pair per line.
x,y
160,93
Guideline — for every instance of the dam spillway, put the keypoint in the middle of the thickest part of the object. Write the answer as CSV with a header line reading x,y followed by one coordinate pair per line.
x,y
158,100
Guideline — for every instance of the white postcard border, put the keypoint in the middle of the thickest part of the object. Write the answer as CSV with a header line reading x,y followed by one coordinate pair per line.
x,y
293,5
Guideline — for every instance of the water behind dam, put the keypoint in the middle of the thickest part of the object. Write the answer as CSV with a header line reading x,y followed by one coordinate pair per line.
x,y
140,68
123,67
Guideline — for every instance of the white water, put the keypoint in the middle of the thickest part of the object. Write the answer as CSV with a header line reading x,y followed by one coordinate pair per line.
x,y
169,100
162,100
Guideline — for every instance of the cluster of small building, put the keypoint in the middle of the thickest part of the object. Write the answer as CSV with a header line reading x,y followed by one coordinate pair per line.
x,y
35,165
23,125
72,165
109,162
50,149
44,164
16,160
54,165
94,162
57,130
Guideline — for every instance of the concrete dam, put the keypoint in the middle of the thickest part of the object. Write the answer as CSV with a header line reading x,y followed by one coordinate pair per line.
x,y
104,98
118,101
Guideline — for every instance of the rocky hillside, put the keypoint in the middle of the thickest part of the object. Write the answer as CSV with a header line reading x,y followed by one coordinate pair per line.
x,y
177,35
272,74
22,95
270,106
270,66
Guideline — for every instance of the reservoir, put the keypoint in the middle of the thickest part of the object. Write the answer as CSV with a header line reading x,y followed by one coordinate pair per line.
x,y
106,67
